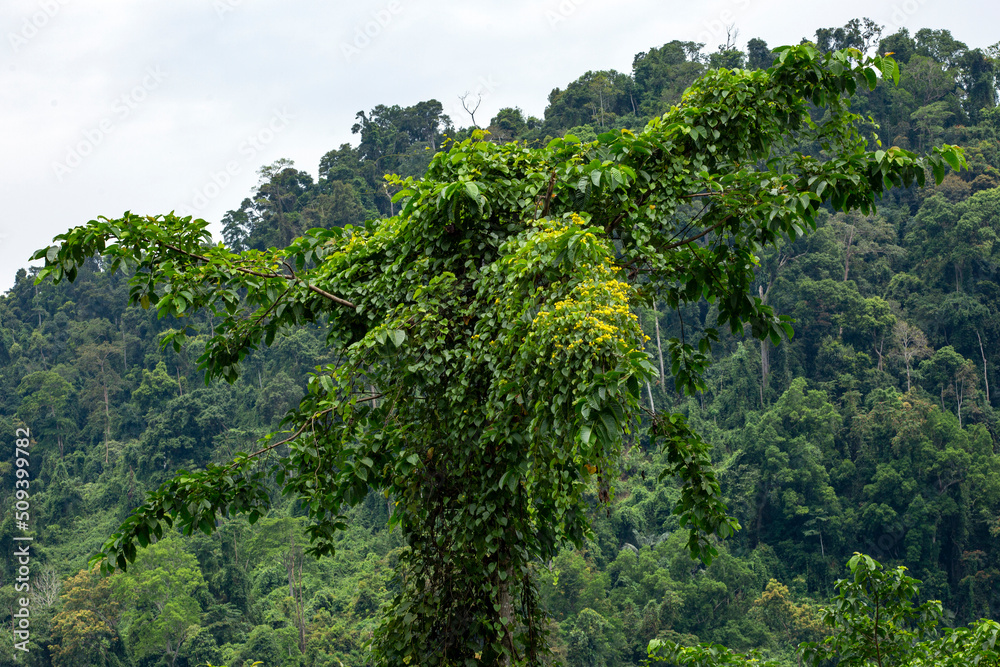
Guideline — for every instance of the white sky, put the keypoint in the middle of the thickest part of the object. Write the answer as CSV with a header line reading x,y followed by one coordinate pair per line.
x,y
115,105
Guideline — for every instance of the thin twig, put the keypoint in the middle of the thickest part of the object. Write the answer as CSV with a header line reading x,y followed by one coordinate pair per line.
x,y
680,243
271,307
698,236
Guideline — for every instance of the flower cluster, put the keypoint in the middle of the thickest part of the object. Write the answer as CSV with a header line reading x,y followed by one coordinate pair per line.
x,y
594,318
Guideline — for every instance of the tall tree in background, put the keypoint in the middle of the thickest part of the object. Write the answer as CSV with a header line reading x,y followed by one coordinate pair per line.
x,y
663,74
490,361
759,56
596,98
272,217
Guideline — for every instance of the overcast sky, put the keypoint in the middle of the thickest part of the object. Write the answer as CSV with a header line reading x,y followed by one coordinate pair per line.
x,y
160,105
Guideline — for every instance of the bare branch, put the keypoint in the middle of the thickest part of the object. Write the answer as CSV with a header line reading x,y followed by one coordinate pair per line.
x,y
473,110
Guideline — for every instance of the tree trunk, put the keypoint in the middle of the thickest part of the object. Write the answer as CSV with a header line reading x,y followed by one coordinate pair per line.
x,y
878,350
765,350
959,390
847,254
659,348
107,423
295,590
507,616
986,379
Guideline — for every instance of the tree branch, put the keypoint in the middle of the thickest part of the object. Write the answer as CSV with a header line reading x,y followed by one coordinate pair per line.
x,y
697,236
251,272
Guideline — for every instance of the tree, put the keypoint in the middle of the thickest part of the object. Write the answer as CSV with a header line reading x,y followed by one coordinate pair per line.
x,y
863,238
978,79
940,46
272,216
900,44
728,55
877,321
162,588
508,124
871,622
663,74
87,627
596,98
784,617
101,382
912,345
759,56
45,402
859,34
875,622
952,375
929,121
927,81
490,364
388,134
788,445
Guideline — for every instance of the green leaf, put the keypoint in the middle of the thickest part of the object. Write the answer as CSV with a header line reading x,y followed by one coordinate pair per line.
x,y
952,158
472,190
871,77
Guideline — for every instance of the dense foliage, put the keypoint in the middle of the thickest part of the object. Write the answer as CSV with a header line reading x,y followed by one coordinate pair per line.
x,y
871,430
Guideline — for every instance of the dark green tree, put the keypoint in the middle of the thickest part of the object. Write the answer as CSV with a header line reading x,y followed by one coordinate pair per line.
x,y
490,361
